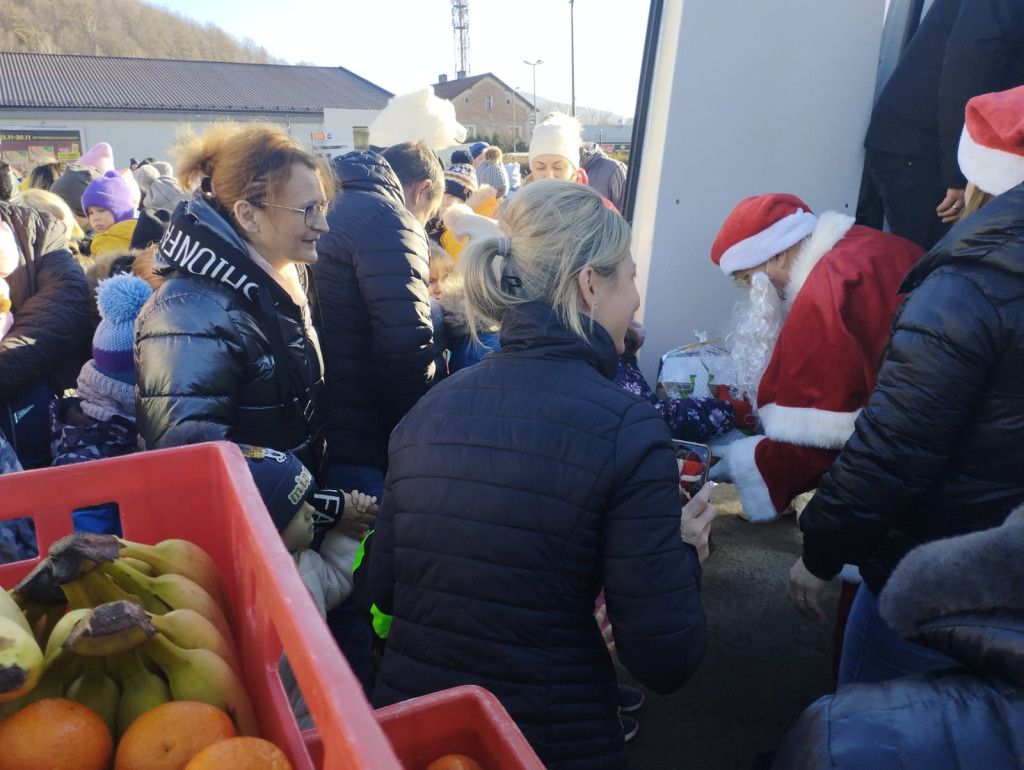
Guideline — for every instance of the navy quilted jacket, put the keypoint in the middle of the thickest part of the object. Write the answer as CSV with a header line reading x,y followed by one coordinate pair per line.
x,y
516,489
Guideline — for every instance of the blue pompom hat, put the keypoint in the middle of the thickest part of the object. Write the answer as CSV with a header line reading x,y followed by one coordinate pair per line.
x,y
110,192
119,299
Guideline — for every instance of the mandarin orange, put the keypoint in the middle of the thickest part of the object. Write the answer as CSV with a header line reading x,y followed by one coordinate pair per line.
x,y
57,734
168,736
250,753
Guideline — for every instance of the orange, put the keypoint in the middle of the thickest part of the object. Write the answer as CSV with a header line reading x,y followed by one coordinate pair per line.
x,y
454,762
250,753
168,736
57,734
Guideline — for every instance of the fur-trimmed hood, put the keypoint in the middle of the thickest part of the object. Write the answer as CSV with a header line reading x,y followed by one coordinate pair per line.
x,y
831,227
965,597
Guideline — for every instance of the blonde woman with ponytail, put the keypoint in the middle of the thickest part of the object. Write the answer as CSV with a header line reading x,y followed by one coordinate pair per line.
x,y
522,485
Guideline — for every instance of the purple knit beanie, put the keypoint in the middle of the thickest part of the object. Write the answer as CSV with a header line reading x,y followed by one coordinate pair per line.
x,y
110,192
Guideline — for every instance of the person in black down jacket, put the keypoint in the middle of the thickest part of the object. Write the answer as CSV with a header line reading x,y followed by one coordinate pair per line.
x,y
372,276
226,347
519,487
50,336
969,715
937,450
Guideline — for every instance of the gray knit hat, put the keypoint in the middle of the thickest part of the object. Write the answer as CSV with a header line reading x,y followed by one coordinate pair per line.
x,y
73,183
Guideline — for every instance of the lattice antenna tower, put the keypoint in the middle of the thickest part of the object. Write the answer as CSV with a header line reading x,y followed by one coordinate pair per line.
x,y
460,28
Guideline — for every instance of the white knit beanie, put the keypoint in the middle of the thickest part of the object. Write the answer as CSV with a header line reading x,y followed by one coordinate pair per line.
x,y
558,134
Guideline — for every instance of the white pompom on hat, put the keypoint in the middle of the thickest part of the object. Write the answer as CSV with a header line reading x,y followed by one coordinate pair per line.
x,y
558,134
759,228
991,153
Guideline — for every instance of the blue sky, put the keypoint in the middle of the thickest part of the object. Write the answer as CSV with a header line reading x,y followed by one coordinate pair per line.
x,y
402,45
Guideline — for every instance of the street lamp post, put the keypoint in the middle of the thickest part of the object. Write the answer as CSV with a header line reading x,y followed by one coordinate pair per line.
x,y
534,65
515,126
572,56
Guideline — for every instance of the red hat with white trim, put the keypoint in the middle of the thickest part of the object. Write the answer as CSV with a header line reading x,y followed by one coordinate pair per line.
x,y
991,153
759,228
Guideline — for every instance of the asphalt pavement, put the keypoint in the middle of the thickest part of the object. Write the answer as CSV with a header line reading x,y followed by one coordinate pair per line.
x,y
764,663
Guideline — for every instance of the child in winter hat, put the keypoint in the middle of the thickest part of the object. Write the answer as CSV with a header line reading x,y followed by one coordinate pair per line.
x,y
490,171
10,256
99,157
459,182
108,203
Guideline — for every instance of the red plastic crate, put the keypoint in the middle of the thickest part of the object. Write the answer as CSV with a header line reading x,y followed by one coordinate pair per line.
x,y
205,494
463,720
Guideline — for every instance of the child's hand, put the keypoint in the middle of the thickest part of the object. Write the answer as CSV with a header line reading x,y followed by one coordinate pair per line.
x,y
695,522
358,516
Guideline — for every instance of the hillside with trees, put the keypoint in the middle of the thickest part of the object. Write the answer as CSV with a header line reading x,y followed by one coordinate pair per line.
x,y
118,28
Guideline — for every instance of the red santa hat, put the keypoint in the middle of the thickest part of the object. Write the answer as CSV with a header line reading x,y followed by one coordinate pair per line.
x,y
991,153
759,228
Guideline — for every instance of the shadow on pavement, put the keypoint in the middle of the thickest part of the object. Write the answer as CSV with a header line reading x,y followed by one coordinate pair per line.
x,y
764,663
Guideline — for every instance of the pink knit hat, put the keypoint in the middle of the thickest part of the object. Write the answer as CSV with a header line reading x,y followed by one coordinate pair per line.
x,y
759,228
100,157
991,153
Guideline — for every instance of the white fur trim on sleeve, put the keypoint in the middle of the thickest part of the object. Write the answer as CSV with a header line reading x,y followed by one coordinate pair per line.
x,y
762,246
804,426
754,495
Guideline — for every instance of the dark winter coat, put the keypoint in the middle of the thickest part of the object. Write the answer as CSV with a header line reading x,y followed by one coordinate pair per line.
x,y
604,174
223,352
937,450
372,278
961,49
517,489
49,341
965,598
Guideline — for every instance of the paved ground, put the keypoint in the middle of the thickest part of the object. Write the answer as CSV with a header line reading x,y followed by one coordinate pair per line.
x,y
764,663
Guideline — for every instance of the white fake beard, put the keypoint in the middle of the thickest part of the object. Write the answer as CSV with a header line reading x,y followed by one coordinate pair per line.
x,y
758,321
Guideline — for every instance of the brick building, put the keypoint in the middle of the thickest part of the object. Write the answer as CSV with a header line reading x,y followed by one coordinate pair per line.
x,y
487,106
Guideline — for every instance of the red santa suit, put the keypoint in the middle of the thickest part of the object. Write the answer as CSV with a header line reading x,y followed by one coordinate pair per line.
x,y
841,297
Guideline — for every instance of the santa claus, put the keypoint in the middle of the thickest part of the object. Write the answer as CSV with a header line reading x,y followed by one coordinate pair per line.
x,y
808,340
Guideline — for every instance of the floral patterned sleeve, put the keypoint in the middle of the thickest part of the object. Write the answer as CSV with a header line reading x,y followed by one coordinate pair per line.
x,y
689,419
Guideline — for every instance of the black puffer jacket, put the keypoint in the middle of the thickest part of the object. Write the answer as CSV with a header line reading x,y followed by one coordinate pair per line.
x,y
372,276
517,488
964,597
209,345
50,302
937,452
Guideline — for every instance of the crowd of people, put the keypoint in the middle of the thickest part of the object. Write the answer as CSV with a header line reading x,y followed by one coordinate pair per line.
x,y
431,370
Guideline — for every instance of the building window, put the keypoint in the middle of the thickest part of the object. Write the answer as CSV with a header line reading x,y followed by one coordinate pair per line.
x,y
489,102
470,130
361,137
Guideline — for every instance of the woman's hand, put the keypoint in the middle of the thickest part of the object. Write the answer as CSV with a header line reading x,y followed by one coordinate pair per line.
x,y
695,524
358,516
804,591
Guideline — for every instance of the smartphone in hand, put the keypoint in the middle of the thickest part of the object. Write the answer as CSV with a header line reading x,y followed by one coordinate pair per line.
x,y
694,461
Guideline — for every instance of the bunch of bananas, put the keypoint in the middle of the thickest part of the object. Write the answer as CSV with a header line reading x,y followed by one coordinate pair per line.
x,y
121,627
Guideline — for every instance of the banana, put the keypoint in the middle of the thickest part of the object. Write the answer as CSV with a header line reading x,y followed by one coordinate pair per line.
x,y
110,629
97,691
164,593
10,610
77,554
62,630
142,566
203,676
142,690
21,660
189,629
181,557
92,589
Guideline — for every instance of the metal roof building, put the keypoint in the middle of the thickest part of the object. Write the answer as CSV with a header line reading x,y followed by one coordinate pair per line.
x,y
139,105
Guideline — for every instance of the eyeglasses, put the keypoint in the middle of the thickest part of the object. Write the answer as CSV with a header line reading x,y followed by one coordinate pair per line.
x,y
745,281
309,213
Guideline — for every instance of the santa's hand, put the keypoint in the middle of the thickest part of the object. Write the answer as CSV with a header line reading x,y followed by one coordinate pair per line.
x,y
695,523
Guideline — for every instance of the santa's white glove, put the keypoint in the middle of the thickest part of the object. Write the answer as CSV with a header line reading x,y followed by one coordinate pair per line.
x,y
720,470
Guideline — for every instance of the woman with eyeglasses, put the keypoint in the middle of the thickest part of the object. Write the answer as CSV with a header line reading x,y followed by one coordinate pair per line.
x,y
226,347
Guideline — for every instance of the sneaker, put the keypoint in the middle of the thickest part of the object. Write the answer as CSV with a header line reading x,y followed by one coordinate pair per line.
x,y
630,699
630,727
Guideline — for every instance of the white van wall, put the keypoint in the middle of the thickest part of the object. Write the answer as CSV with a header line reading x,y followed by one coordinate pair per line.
x,y
749,97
